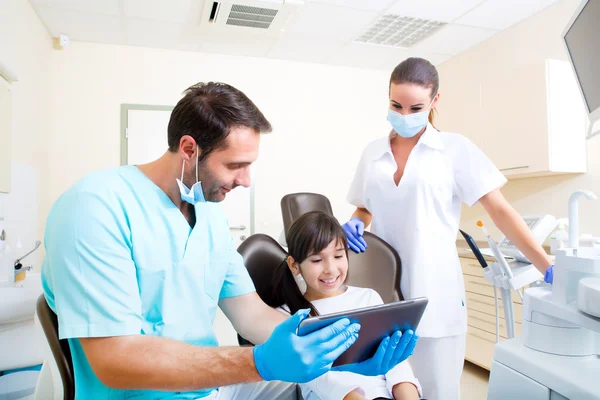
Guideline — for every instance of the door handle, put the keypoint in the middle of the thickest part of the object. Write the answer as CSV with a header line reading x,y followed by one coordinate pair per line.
x,y
238,228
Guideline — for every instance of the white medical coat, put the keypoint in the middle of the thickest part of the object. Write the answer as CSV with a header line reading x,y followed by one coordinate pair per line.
x,y
420,217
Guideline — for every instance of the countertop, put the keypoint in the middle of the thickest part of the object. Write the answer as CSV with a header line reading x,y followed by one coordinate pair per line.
x,y
465,252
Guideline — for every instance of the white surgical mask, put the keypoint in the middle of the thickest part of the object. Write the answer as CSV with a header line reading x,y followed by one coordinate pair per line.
x,y
195,194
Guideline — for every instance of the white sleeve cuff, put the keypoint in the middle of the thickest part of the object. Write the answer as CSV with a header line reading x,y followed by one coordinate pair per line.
x,y
494,180
402,373
327,388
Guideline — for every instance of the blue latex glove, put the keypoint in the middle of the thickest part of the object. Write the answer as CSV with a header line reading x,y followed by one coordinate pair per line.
x,y
549,275
354,230
391,352
287,357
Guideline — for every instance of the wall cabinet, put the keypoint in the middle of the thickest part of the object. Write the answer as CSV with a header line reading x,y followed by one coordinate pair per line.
x,y
530,120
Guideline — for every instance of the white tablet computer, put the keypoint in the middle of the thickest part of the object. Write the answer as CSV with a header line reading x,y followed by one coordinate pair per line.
x,y
377,322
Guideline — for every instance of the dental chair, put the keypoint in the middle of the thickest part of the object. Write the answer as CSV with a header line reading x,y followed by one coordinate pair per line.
x,y
378,268
59,347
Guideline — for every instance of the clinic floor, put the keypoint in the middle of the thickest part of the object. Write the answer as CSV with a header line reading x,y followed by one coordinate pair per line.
x,y
474,382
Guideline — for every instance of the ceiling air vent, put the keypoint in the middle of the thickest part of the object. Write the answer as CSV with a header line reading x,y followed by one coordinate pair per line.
x,y
252,17
398,31
266,16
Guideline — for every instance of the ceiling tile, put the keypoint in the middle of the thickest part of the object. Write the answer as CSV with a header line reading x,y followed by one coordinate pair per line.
x,y
436,59
453,39
324,21
159,10
371,5
383,58
142,32
501,14
368,56
83,27
251,46
297,48
437,10
108,7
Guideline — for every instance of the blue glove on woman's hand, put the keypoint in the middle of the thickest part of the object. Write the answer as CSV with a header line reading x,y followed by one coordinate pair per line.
x,y
354,230
287,357
391,352
549,275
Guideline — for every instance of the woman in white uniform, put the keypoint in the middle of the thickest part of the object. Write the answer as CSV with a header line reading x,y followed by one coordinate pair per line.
x,y
410,185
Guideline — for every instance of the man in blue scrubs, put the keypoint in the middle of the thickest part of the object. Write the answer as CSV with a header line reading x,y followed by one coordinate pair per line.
x,y
139,257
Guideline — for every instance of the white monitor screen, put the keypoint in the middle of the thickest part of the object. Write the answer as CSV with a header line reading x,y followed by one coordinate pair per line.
x,y
583,44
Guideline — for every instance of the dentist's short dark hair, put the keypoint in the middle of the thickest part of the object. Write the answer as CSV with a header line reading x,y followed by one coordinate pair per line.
x,y
208,112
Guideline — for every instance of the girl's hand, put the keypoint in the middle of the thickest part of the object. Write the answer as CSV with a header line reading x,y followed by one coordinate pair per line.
x,y
405,391
354,395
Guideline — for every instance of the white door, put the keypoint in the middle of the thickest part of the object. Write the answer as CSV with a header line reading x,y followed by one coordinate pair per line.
x,y
146,140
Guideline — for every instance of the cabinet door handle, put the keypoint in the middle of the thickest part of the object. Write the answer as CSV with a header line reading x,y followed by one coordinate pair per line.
x,y
513,168
479,283
238,228
481,337
484,303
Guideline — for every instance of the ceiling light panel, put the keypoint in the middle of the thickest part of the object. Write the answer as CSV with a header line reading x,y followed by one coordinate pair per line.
x,y
399,31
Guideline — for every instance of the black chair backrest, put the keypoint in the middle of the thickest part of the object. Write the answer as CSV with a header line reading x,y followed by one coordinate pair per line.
x,y
378,268
295,204
262,255
60,348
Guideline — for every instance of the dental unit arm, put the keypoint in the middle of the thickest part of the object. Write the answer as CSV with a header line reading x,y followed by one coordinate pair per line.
x,y
504,276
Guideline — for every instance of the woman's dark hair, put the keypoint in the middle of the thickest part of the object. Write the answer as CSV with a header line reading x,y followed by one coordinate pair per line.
x,y
208,112
308,235
419,72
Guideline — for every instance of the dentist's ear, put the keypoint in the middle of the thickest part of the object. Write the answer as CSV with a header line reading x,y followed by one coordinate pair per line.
x,y
188,148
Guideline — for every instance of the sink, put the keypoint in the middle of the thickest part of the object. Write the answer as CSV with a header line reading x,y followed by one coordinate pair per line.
x,y
21,341
18,303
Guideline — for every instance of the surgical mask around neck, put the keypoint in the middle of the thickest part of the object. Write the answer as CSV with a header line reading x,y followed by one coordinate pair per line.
x,y
194,194
408,125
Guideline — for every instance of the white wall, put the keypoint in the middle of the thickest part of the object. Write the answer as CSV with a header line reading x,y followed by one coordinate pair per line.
x,y
25,48
323,116
529,43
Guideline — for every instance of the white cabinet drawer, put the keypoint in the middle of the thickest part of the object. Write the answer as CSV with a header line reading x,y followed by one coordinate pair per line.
x,y
480,347
471,267
487,323
479,285
486,305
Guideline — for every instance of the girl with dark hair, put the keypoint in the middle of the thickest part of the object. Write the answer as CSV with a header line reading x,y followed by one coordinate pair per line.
x,y
410,185
318,252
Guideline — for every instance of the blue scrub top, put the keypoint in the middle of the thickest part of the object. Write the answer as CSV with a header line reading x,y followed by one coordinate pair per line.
x,y
121,259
